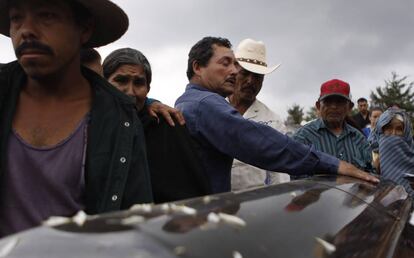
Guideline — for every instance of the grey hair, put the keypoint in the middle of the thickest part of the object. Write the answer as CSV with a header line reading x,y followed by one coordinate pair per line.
x,y
126,56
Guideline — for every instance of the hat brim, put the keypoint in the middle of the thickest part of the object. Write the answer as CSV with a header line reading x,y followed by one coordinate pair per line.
x,y
111,22
335,94
259,69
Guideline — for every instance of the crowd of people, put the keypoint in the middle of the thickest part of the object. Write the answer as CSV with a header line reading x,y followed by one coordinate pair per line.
x,y
76,134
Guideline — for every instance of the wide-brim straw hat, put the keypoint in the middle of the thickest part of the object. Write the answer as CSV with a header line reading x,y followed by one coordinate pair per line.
x,y
251,55
110,21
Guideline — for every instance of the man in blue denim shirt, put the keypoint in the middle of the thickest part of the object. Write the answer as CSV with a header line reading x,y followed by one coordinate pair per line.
x,y
223,134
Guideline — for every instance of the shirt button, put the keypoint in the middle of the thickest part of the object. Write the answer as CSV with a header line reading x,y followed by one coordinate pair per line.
x,y
114,197
126,124
122,159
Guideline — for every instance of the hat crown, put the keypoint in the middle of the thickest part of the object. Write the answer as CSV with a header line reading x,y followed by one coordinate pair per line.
x,y
251,49
335,87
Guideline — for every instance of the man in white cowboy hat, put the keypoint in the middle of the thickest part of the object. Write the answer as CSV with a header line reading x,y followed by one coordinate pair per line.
x,y
223,134
251,56
69,140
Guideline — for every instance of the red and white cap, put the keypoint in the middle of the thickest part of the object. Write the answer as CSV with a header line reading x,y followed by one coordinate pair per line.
x,y
335,87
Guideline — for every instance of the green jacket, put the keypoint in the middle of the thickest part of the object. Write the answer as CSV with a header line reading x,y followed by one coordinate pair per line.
x,y
116,172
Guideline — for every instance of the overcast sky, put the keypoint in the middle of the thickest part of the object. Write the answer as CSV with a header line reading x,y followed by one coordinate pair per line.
x,y
360,42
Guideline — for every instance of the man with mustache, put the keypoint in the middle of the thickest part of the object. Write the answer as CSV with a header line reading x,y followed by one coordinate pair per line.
x,y
249,81
331,133
223,134
69,140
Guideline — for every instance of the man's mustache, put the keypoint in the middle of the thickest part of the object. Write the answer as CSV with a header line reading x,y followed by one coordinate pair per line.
x,y
33,45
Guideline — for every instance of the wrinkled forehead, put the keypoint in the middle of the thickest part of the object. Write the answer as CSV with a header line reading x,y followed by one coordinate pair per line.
x,y
222,52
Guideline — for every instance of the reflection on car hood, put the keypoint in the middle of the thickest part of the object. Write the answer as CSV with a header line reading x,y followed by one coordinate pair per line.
x,y
324,216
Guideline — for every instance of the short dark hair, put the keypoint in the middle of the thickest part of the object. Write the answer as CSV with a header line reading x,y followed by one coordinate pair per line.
x,y
202,51
89,55
376,109
362,100
126,56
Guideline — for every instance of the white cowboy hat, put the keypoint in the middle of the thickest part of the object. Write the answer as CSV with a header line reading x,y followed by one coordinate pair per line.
x,y
251,55
111,22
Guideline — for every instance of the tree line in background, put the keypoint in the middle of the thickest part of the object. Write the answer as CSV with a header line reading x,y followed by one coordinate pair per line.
x,y
396,91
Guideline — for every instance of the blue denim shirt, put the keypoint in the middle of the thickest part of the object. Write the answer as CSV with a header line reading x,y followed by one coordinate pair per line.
x,y
223,134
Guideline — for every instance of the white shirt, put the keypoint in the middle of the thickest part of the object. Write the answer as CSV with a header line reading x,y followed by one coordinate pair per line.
x,y
246,176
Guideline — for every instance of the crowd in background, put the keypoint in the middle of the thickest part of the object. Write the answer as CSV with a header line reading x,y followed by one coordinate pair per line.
x,y
92,140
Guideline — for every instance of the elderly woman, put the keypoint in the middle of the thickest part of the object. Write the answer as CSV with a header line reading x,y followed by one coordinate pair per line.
x,y
172,158
392,139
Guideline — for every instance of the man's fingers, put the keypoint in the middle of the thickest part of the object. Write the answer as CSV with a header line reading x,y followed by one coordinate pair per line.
x,y
152,113
368,177
179,117
350,170
168,117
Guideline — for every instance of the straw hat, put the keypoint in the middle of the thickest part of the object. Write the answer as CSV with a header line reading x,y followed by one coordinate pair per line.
x,y
251,55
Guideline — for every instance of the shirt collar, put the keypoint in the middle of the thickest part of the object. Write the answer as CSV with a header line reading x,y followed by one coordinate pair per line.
x,y
197,87
320,125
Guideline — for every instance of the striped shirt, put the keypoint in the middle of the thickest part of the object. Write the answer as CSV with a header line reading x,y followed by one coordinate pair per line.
x,y
396,159
350,146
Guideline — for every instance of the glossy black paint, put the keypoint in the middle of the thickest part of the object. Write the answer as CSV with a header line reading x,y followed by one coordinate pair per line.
x,y
358,218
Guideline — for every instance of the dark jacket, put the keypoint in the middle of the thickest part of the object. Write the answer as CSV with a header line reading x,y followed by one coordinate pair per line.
x,y
360,121
116,172
176,171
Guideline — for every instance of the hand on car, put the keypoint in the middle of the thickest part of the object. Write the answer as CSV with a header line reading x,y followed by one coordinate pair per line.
x,y
157,108
347,169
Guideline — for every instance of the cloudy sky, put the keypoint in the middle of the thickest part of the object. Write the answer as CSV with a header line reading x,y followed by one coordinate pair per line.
x,y
360,42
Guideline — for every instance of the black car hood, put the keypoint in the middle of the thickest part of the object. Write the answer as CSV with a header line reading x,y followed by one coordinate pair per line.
x,y
324,216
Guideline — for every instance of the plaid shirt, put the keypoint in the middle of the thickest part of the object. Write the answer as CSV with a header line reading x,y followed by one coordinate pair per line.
x,y
350,146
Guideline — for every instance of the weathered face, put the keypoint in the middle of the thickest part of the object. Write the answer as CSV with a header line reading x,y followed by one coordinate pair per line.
x,y
131,80
220,73
375,114
334,109
248,85
394,127
45,36
363,106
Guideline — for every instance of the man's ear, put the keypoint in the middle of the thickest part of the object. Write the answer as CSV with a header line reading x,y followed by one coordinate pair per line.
x,y
318,105
196,68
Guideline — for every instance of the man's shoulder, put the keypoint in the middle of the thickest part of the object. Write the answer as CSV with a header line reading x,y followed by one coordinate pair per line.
x,y
104,87
357,116
9,67
261,107
260,112
200,99
10,74
309,130
313,125
196,95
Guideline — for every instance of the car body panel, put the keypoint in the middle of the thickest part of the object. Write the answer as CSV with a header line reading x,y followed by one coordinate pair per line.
x,y
324,216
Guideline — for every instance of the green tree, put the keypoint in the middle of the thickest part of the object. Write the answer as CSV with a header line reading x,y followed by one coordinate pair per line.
x,y
395,91
311,114
295,115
